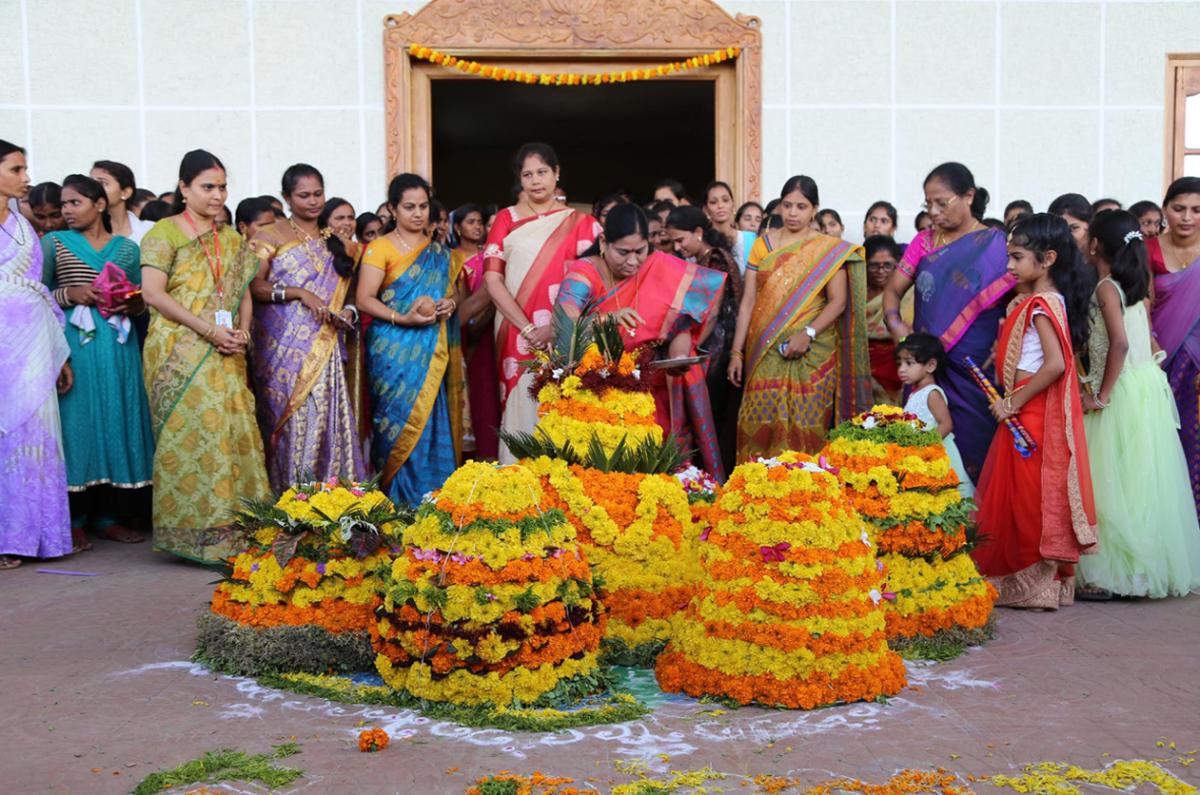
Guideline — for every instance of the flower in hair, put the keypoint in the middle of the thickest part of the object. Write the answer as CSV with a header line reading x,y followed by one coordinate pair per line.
x,y
1134,235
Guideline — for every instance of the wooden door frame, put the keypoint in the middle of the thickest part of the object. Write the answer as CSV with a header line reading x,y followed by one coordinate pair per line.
x,y
580,36
1175,96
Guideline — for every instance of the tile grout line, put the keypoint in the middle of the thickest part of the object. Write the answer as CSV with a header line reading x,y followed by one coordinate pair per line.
x,y
998,39
787,90
255,191
1100,142
221,108
362,112
28,81
144,164
894,188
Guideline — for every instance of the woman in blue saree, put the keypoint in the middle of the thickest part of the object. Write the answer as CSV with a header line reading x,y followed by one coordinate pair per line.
x,y
414,372
959,267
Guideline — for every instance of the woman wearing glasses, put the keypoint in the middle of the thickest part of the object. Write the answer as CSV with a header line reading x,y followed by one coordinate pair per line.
x,y
959,267
661,302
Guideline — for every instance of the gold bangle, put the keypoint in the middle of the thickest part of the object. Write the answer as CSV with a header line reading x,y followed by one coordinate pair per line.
x,y
1008,406
395,322
735,355
529,327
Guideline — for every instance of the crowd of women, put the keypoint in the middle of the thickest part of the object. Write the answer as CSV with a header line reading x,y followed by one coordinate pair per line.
x,y
222,358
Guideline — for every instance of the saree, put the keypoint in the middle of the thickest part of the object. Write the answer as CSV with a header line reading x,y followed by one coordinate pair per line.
x,y
1177,327
723,396
208,455
483,378
790,404
305,406
958,290
672,297
1037,514
107,436
36,520
885,380
531,253
411,372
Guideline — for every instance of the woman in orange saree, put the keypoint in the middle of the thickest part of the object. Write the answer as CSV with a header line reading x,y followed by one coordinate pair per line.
x,y
524,261
801,333
1036,509
662,302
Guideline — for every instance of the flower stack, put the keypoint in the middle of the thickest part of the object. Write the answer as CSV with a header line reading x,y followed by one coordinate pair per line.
x,y
300,597
790,614
604,462
899,478
490,602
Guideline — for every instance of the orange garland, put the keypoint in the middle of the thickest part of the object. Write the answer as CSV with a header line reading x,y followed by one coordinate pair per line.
x,y
971,613
334,615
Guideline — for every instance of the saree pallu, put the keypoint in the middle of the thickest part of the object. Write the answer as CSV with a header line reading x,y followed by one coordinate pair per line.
x,y
305,406
107,437
532,254
209,454
416,428
483,377
1037,514
36,519
790,404
672,297
958,290
1177,326
724,397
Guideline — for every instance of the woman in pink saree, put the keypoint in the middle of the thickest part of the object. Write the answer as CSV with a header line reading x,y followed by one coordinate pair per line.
x,y
524,261
662,302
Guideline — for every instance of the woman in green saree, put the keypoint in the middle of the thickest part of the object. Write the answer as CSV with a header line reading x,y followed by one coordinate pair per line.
x,y
801,333
208,453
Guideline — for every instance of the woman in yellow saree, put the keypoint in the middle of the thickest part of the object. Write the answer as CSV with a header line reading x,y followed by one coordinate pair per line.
x,y
801,334
208,453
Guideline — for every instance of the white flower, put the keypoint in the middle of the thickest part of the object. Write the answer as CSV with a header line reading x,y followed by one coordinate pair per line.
x,y
876,596
637,374
866,539
556,373
869,423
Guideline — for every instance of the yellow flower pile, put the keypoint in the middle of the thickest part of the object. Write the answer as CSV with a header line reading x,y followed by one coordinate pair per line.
x,y
570,412
491,599
789,613
638,532
899,478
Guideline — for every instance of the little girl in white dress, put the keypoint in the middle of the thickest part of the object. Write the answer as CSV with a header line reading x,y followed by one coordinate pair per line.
x,y
918,358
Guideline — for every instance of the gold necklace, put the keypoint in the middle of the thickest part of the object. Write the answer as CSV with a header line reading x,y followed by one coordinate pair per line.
x,y
637,287
940,239
1181,258
303,236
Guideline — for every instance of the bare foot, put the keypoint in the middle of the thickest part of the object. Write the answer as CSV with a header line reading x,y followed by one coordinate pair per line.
x,y
8,562
121,533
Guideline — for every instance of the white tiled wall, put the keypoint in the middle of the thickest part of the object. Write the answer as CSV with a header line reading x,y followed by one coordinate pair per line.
x,y
1038,97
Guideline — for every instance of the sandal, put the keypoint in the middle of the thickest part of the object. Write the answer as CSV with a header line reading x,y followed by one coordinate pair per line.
x,y
122,534
9,562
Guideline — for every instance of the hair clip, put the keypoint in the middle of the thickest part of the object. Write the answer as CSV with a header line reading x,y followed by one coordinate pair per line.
x,y
1134,235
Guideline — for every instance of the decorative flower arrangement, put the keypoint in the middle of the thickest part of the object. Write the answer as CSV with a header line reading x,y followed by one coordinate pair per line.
x,y
899,478
491,600
300,598
789,613
372,740
702,490
638,533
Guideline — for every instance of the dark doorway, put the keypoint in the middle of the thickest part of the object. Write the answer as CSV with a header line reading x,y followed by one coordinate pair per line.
x,y
623,136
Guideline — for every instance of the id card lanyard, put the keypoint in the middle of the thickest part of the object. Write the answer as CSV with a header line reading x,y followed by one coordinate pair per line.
x,y
224,318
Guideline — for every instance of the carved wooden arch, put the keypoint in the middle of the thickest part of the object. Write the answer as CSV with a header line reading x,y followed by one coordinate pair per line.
x,y
577,36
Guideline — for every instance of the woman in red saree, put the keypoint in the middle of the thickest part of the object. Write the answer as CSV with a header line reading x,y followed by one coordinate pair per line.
x,y
662,302
524,260
1037,514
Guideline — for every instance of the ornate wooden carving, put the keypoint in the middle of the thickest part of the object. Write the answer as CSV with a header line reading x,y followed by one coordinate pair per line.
x,y
575,35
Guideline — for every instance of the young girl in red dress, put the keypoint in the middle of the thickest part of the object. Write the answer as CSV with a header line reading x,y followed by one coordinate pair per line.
x,y
1036,513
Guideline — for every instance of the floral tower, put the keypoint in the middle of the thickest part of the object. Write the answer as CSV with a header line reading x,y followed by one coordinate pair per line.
x,y
300,597
490,602
899,478
604,462
789,613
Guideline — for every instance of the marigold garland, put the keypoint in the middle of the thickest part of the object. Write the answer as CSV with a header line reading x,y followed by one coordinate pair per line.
x,y
371,740
572,78
491,601
899,478
789,614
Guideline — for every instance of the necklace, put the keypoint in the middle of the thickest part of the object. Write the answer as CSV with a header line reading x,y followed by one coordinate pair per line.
x,y
407,246
612,280
940,239
19,241
304,237
1181,255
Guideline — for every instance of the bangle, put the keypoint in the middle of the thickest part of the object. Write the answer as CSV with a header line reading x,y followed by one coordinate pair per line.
x,y
395,322
1008,406
892,313
212,332
529,327
353,311
1101,403
735,354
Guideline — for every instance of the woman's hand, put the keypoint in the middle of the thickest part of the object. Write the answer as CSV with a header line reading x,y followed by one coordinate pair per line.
x,y
413,317
681,346
66,379
229,342
316,306
627,317
345,319
1000,410
540,337
445,308
132,305
734,371
82,294
899,329
1089,402
798,345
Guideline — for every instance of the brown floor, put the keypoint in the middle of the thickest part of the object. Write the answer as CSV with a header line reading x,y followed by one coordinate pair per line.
x,y
99,693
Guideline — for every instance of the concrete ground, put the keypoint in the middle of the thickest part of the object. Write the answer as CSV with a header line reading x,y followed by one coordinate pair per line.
x,y
99,693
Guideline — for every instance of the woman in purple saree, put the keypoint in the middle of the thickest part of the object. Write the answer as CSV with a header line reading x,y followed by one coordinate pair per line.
x,y
959,269
1175,263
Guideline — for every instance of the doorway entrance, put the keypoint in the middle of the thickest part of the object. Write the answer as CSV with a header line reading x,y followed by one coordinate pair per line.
x,y
608,138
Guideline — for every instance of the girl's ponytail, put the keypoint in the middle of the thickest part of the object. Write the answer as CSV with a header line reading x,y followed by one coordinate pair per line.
x,y
1119,241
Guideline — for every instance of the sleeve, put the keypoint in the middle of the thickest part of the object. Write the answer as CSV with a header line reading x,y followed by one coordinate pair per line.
x,y
575,291
156,250
375,256
913,253
134,271
494,258
49,270
758,252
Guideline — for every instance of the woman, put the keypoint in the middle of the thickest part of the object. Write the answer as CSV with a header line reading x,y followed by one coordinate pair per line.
x,y
36,520
697,241
1077,212
45,208
407,285
718,206
801,331
880,220
959,268
1173,257
882,255
749,217
367,227
119,185
208,452
251,215
105,417
338,217
476,317
830,223
524,261
306,411
664,302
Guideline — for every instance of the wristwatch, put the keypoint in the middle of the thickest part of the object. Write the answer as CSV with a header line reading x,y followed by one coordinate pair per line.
x,y
811,332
